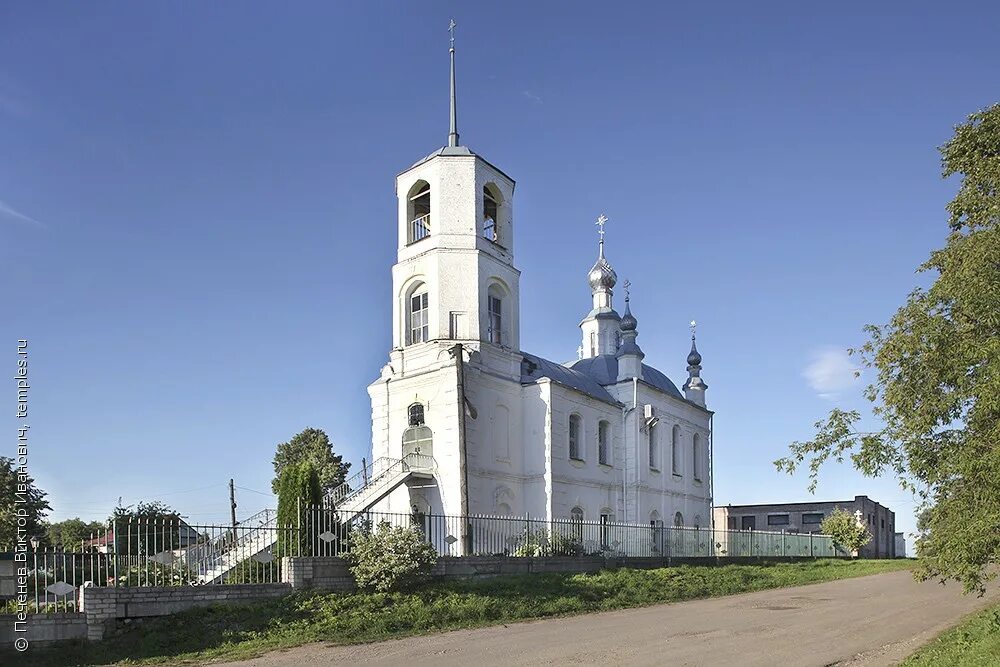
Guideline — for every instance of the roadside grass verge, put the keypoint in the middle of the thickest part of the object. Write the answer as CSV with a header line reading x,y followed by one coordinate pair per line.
x,y
975,642
233,632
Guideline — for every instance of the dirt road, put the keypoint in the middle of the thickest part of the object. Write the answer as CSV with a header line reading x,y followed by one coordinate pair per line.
x,y
868,621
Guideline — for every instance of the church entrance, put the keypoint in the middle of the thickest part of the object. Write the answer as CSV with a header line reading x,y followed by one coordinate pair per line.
x,y
418,440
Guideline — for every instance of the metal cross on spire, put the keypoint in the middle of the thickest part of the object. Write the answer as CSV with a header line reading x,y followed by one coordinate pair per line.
x,y
627,285
694,327
601,221
451,29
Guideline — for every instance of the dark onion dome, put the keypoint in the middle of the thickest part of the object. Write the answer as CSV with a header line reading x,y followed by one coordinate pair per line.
x,y
694,358
629,323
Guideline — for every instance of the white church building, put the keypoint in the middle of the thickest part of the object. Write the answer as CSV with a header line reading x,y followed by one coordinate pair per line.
x,y
500,431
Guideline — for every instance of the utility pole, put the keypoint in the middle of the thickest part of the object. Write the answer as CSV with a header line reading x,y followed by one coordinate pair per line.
x,y
232,501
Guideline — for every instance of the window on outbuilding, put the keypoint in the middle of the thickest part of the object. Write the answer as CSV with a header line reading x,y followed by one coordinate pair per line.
x,y
777,519
812,517
604,443
575,427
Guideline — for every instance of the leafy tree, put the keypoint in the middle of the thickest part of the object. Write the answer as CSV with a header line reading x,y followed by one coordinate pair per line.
x,y
312,445
846,531
146,528
298,487
936,386
34,508
71,533
390,558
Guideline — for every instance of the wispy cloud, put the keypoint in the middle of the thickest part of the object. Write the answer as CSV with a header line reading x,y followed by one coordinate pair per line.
x,y
532,96
830,372
10,214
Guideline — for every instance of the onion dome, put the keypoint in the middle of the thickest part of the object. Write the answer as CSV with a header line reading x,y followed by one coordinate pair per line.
x,y
694,357
629,323
602,276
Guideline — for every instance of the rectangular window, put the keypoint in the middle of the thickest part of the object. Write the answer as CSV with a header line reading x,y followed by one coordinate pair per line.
x,y
777,519
812,517
496,319
605,520
419,319
574,438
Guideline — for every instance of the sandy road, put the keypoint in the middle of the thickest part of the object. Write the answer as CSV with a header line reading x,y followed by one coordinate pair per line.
x,y
868,621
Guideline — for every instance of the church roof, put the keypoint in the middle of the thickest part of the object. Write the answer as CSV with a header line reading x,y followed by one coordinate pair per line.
x,y
603,369
461,151
535,368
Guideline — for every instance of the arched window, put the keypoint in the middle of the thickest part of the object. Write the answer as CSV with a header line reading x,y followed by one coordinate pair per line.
x,y
576,514
593,344
494,306
575,428
696,457
607,517
654,445
656,525
419,212
604,443
491,209
417,315
675,450
416,414
678,520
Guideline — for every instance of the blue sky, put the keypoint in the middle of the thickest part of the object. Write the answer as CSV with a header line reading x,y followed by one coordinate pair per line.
x,y
197,213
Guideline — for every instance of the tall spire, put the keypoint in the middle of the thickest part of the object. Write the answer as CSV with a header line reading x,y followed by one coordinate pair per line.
x,y
453,131
629,354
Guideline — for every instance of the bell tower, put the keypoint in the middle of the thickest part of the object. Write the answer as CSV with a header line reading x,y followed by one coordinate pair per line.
x,y
454,279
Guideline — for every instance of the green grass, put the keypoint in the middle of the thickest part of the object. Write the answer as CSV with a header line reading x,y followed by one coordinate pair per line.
x,y
234,632
975,642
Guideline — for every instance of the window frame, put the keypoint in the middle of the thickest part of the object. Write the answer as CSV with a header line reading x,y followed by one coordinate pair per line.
x,y
575,440
675,453
420,292
786,522
604,442
653,445
821,516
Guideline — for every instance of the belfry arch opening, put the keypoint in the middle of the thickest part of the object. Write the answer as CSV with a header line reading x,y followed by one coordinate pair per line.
x,y
491,214
418,212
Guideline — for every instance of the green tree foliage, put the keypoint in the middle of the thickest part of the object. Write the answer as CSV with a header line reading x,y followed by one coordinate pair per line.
x,y
72,533
312,445
298,487
936,386
34,507
390,558
845,530
146,528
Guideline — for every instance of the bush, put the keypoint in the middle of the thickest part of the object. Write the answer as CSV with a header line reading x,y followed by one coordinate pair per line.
x,y
298,487
390,558
846,531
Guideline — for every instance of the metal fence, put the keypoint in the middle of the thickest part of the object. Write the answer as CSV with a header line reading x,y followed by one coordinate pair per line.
x,y
168,551
328,533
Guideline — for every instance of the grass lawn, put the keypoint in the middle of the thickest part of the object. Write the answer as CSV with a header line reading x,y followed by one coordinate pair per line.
x,y
975,642
234,632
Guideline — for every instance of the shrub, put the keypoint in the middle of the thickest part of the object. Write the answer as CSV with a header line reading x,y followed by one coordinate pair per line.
x,y
847,532
390,558
298,487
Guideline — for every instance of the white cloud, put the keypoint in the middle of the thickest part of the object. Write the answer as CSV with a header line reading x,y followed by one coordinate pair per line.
x,y
10,213
532,96
830,372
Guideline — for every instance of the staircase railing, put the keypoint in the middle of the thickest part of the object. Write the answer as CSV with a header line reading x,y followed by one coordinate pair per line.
x,y
375,472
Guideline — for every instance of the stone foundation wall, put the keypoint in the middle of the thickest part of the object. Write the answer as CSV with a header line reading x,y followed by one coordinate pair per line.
x,y
103,606
43,628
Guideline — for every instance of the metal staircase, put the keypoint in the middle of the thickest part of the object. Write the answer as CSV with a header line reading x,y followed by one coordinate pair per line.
x,y
211,561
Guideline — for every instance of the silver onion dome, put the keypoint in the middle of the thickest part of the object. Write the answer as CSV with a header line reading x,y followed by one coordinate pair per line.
x,y
602,276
